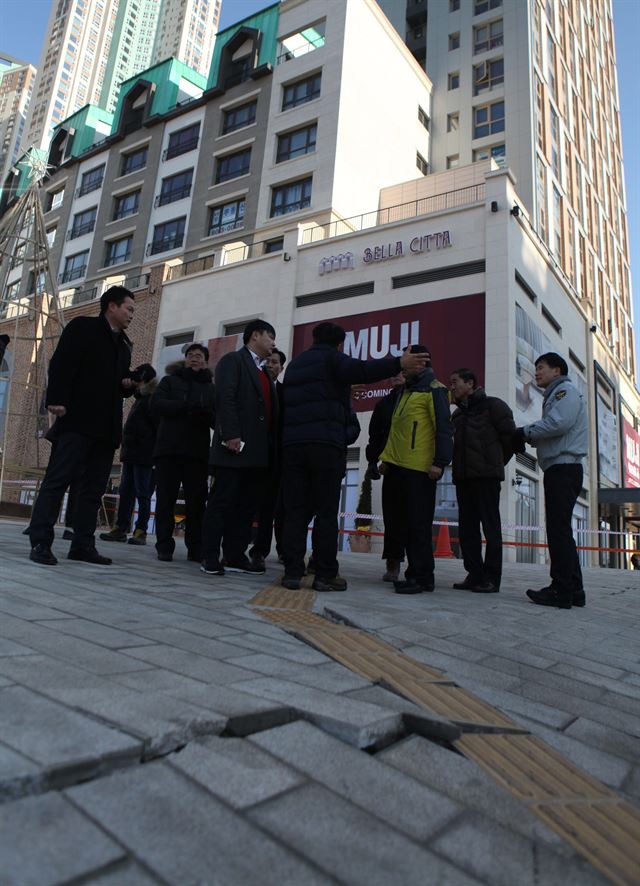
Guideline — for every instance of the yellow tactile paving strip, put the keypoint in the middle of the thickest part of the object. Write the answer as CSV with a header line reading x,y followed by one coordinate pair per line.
x,y
588,815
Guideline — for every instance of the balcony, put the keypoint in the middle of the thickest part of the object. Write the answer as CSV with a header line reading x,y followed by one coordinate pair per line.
x,y
79,230
400,212
180,148
416,12
172,196
118,260
89,186
73,274
164,245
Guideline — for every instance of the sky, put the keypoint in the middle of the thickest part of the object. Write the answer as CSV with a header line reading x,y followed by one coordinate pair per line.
x,y
26,42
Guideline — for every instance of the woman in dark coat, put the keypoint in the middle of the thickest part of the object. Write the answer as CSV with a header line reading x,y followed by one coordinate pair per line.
x,y
184,406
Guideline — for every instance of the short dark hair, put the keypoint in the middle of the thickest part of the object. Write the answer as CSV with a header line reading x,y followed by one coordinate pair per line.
x,y
196,346
115,294
554,361
417,349
466,375
328,334
281,356
257,326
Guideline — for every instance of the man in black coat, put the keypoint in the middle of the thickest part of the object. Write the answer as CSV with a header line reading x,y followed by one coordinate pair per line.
x,y
183,404
88,378
483,430
243,452
136,455
393,505
317,416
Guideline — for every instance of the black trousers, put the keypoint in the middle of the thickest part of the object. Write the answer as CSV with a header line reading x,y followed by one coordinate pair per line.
x,y
231,507
86,463
266,514
171,471
418,494
393,514
136,482
479,506
311,483
562,485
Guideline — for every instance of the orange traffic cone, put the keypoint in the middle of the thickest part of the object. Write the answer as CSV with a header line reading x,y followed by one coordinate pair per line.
x,y
443,544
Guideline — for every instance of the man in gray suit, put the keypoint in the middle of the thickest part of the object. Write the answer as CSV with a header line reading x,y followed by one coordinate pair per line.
x,y
243,450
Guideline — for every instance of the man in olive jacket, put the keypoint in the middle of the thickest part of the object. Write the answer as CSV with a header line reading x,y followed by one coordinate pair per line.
x,y
483,430
183,405
88,378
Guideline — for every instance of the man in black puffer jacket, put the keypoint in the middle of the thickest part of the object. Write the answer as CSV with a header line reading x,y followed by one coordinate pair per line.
x,y
483,428
184,406
317,417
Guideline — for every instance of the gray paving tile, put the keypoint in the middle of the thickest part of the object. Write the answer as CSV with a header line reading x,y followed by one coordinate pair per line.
x,y
183,834
349,843
330,676
605,737
190,664
366,781
46,841
126,873
94,632
9,647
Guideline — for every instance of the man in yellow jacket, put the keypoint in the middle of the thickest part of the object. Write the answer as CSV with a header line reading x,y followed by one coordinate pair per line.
x,y
418,449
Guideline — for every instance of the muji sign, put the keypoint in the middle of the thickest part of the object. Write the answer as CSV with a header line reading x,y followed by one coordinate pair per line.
x,y
453,328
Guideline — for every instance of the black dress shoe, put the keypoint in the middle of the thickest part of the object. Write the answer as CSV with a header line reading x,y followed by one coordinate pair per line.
x,y
578,599
89,555
549,597
42,554
211,568
485,587
245,566
195,558
292,584
411,587
329,584
166,558
67,535
465,585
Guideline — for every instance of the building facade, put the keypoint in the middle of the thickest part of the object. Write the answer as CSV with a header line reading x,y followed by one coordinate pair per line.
x,y
16,86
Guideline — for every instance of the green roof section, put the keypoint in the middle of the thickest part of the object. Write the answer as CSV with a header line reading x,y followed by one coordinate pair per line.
x,y
166,77
266,21
91,125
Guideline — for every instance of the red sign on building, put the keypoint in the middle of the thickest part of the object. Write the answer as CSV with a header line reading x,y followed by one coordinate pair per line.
x,y
452,328
630,455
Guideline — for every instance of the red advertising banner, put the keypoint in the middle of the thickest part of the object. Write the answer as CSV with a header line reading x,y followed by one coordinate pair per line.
x,y
630,455
452,328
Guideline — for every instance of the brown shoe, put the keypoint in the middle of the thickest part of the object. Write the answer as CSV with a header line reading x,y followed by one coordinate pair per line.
x,y
393,571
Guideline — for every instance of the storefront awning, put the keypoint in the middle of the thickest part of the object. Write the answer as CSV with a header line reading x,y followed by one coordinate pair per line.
x,y
625,502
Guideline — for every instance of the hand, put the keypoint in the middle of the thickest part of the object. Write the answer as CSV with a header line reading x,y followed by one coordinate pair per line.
x,y
234,445
357,391
414,362
383,469
434,472
58,411
372,472
518,440
128,383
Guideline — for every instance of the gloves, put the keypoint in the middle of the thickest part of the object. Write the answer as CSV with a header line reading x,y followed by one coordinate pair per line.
x,y
518,440
372,472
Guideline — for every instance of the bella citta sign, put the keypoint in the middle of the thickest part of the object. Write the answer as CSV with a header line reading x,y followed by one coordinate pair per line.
x,y
385,251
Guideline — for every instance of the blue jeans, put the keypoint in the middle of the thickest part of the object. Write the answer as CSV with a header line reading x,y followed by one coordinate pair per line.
x,y
137,482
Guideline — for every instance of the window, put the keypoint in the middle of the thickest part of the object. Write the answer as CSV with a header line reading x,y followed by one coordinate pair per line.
x,y
487,37
453,121
180,338
91,180
51,237
134,161
297,143
75,266
541,198
233,165
227,217
273,245
558,239
555,142
488,75
481,6
182,141
175,187
290,197
302,42
126,205
83,223
453,161
454,5
54,199
19,255
421,163
454,41
423,118
488,119
167,236
118,251
497,152
237,118
300,92
453,80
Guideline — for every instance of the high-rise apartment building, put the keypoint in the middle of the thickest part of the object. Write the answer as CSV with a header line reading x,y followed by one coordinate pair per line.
x,y
532,83
16,85
92,46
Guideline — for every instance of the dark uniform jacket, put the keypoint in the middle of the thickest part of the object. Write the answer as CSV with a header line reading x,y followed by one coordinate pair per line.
x,y
317,394
85,376
139,432
241,412
483,428
183,404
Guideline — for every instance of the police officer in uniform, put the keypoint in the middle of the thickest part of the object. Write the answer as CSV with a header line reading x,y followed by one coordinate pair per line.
x,y
561,438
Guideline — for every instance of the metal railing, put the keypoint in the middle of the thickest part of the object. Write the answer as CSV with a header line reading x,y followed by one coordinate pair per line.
x,y
79,230
191,267
139,282
397,213
92,185
180,148
288,54
172,196
164,245
117,260
73,274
